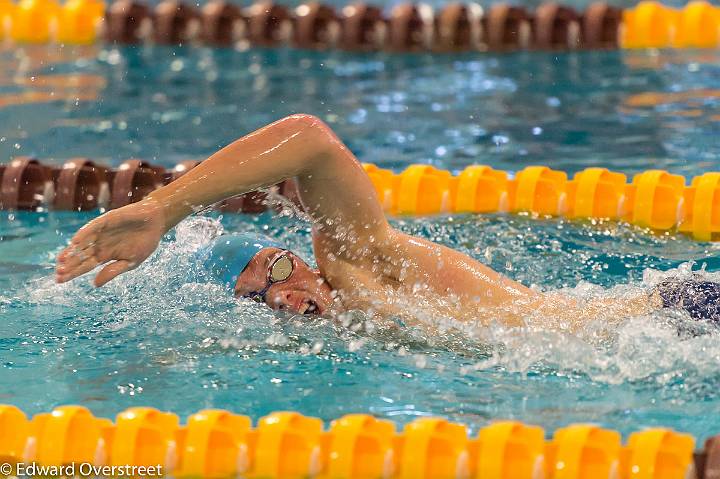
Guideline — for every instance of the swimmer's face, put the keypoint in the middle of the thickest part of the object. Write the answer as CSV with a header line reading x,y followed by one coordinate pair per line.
x,y
291,284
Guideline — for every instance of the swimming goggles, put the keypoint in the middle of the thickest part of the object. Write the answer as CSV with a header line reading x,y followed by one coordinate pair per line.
x,y
281,268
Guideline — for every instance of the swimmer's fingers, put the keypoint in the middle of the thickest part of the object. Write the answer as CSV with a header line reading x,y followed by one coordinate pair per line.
x,y
80,255
74,261
72,256
111,270
67,271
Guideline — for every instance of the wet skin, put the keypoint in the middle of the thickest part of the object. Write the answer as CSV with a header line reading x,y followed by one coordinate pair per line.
x,y
360,256
304,292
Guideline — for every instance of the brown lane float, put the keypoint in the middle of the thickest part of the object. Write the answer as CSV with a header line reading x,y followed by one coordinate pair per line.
x,y
699,464
176,23
556,27
26,184
261,201
179,170
81,185
707,462
316,26
601,26
363,27
458,27
268,24
231,205
134,180
411,28
127,21
290,190
255,202
223,23
507,27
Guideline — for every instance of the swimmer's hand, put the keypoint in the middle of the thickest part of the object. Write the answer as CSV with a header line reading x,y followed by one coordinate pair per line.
x,y
120,239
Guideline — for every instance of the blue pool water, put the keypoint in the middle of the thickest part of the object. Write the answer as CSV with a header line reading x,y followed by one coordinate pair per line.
x,y
152,338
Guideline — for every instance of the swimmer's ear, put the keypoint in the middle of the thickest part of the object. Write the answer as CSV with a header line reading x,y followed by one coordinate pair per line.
x,y
111,270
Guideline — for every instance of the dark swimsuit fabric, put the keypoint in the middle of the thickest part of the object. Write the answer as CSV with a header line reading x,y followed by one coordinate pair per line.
x,y
699,298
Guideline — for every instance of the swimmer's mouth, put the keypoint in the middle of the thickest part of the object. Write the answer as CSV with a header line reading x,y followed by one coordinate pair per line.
x,y
309,307
304,307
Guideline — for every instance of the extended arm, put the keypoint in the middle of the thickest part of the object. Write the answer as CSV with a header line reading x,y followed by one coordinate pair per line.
x,y
334,189
333,185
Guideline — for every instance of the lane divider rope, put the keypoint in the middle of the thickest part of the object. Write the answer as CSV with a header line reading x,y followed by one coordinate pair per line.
x,y
217,443
654,199
363,27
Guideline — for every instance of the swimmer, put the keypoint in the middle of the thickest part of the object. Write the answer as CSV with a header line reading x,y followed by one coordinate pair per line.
x,y
363,263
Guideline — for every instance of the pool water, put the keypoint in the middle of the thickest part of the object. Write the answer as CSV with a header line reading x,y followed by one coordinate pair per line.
x,y
153,337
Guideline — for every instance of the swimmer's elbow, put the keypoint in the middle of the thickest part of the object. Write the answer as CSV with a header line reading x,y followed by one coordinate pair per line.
x,y
320,136
306,121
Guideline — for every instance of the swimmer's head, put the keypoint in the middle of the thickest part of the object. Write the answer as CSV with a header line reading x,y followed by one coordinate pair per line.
x,y
258,267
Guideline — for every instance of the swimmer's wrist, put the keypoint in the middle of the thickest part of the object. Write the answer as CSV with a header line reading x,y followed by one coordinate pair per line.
x,y
173,205
164,209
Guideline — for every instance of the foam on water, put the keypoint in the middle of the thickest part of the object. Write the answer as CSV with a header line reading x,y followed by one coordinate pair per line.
x,y
155,336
